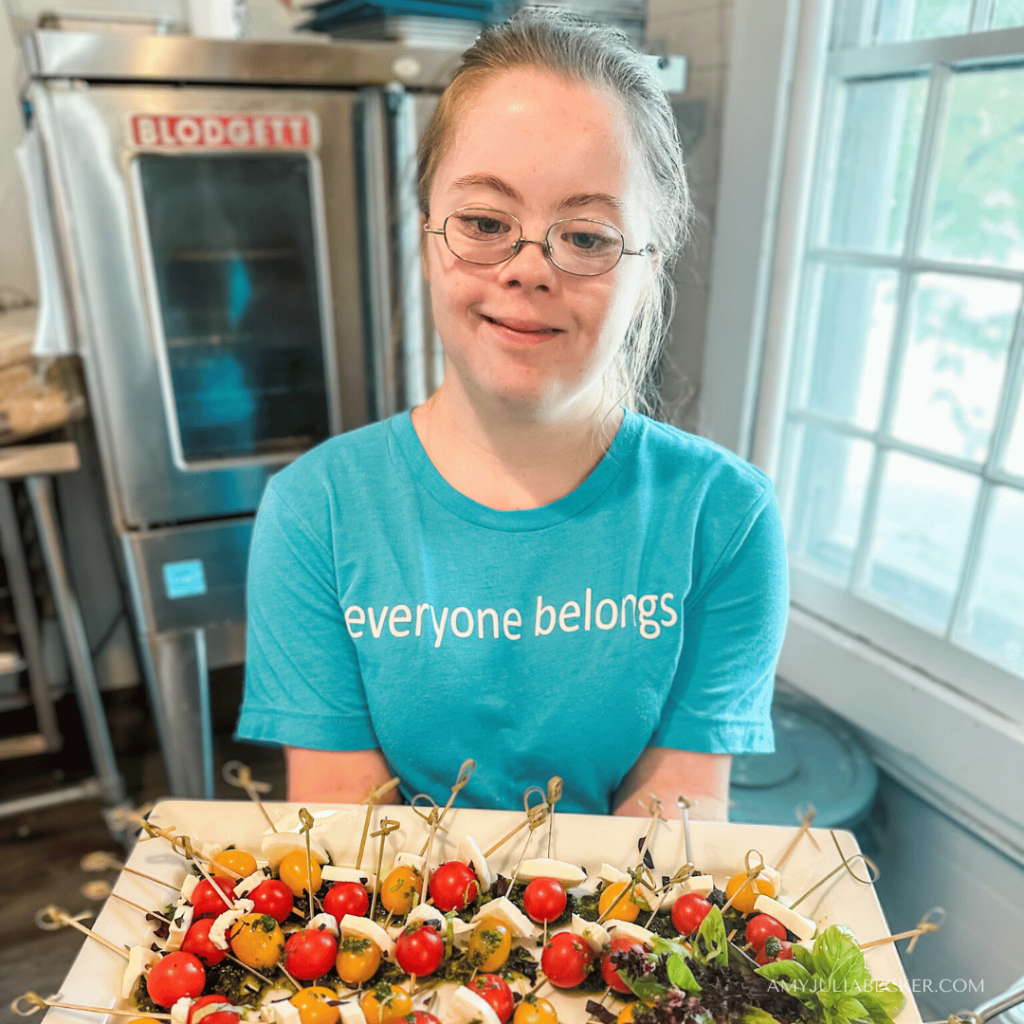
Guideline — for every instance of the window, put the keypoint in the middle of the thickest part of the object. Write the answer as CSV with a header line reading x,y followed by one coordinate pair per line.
x,y
874,333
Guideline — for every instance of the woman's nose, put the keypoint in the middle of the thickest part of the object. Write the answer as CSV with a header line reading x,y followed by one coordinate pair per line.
x,y
530,266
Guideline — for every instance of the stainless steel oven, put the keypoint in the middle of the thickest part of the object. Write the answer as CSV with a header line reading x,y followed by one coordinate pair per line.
x,y
238,253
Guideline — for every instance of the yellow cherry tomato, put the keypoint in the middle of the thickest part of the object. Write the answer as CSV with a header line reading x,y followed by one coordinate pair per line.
x,y
358,960
294,873
257,940
385,1003
238,861
746,891
312,1004
625,910
400,888
534,1010
626,1014
490,945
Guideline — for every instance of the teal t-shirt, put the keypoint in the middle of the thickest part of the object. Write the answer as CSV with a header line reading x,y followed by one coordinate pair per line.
x,y
386,609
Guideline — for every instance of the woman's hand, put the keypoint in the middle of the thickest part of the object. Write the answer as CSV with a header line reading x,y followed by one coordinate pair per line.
x,y
336,776
702,778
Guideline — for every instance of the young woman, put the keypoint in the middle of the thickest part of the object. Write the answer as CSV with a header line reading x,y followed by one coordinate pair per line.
x,y
525,570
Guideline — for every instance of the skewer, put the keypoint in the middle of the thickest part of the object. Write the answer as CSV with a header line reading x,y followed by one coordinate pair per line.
x,y
307,826
805,824
100,860
461,781
237,774
433,820
102,891
924,926
554,795
752,873
684,806
654,810
50,918
534,817
872,866
37,1002
370,800
387,826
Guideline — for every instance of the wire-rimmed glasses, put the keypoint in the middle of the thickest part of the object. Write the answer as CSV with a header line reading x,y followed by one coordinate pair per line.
x,y
578,245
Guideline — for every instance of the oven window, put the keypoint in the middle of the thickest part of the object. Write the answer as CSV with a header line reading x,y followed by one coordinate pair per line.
x,y
234,260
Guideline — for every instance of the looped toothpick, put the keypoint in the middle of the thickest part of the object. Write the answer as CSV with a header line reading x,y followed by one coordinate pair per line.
x,y
654,810
100,860
36,1003
387,826
535,817
432,818
925,925
554,794
370,800
51,918
237,774
805,823
461,781
847,863
308,821
752,873
118,819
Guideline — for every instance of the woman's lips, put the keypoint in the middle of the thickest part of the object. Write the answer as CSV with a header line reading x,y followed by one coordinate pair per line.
x,y
519,326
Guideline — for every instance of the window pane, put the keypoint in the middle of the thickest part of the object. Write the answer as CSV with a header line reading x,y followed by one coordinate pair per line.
x,y
1015,449
872,165
921,19
994,620
978,209
920,537
954,363
828,500
1009,13
849,313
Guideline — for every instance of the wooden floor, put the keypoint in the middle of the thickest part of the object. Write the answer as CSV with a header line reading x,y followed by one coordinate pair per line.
x,y
40,851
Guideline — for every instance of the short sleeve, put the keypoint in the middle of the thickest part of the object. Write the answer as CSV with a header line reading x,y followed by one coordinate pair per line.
x,y
302,682
734,624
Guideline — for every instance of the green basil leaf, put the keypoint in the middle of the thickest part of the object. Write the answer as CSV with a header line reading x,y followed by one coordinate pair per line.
x,y
792,978
668,947
890,997
803,956
850,1008
711,945
755,1015
829,946
646,989
680,975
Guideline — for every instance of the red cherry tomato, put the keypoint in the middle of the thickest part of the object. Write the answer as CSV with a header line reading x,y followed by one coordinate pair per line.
x,y
310,953
197,941
453,886
497,993
218,1016
420,1017
688,911
760,927
609,971
205,899
274,898
176,976
544,899
773,950
347,898
565,960
420,951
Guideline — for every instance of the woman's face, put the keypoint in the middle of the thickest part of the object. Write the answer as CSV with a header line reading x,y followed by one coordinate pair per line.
x,y
524,332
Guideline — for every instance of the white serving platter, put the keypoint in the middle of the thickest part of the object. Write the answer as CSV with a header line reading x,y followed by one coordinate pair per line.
x,y
718,849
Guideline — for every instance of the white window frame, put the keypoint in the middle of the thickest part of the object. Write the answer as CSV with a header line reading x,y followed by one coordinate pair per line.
x,y
914,695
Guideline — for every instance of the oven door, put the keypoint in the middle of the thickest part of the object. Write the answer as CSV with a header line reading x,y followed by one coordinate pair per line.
x,y
217,295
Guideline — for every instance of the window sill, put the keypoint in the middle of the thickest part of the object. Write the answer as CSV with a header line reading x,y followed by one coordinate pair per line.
x,y
959,756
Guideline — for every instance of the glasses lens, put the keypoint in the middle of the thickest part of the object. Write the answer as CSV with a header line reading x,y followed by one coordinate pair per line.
x,y
585,247
479,235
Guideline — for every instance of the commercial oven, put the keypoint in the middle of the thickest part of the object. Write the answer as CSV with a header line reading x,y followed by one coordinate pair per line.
x,y
237,250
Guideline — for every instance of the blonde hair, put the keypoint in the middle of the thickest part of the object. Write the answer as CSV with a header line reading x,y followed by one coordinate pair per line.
x,y
557,41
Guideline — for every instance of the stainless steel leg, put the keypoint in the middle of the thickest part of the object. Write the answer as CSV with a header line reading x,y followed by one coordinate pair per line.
x,y
25,614
179,690
40,492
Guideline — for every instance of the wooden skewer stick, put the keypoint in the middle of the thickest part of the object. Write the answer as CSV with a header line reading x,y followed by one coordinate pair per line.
x,y
848,865
461,781
370,800
752,873
100,860
308,822
805,824
654,810
534,816
434,821
924,926
662,891
56,918
237,774
554,795
387,826
37,1003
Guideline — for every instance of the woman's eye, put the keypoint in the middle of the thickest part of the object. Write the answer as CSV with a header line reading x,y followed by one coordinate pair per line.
x,y
588,241
483,227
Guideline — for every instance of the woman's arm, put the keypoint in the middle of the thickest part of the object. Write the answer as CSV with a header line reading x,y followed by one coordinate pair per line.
x,y
702,778
336,776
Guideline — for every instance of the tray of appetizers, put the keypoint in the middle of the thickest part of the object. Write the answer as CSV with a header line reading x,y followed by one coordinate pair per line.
x,y
521,918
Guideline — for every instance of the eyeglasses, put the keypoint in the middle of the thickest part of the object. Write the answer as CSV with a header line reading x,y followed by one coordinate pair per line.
x,y
578,245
